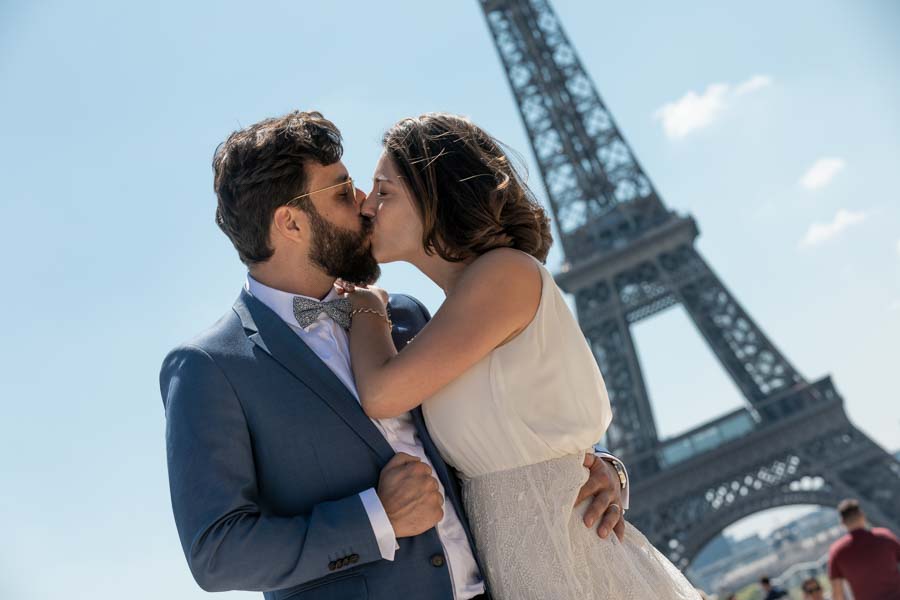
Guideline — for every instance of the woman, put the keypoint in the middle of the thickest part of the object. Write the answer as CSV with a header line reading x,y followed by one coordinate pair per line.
x,y
510,390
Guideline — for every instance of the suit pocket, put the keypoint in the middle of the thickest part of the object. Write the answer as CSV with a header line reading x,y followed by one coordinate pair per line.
x,y
351,587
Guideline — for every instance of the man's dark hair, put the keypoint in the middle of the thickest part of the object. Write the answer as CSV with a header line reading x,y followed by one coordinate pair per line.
x,y
849,509
260,168
765,581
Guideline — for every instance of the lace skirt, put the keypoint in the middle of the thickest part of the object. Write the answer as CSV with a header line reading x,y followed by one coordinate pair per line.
x,y
534,545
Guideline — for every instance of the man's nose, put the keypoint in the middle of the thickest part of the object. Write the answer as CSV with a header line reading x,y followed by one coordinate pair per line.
x,y
359,196
369,207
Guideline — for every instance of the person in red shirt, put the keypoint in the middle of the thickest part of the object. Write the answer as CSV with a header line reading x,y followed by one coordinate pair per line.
x,y
867,559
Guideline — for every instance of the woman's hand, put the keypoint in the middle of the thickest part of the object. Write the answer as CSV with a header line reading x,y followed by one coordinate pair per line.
x,y
363,296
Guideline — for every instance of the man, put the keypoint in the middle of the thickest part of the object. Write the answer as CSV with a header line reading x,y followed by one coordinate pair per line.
x,y
867,559
812,590
279,481
771,591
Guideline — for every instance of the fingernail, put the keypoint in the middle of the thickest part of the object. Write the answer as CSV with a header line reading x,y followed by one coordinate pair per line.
x,y
604,532
588,522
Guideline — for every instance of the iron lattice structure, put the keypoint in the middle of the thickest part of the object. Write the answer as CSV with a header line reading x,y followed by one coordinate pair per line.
x,y
627,257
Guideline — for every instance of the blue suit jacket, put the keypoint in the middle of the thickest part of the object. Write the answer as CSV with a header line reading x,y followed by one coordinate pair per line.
x,y
267,453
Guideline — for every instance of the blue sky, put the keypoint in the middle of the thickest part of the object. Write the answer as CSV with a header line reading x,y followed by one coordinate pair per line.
x,y
775,124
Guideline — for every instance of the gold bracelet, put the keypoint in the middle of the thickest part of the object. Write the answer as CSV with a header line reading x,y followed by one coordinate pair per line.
x,y
372,311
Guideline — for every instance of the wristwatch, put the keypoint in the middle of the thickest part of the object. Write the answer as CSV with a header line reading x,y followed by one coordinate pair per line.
x,y
620,470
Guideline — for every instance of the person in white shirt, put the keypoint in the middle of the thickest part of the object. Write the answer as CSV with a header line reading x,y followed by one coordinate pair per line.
x,y
510,389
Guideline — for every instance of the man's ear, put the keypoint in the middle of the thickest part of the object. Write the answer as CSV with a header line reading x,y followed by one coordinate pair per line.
x,y
288,223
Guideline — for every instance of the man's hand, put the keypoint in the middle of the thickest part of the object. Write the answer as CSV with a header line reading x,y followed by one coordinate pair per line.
x,y
606,506
410,495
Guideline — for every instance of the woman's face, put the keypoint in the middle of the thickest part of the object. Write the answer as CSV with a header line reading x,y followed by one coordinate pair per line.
x,y
398,227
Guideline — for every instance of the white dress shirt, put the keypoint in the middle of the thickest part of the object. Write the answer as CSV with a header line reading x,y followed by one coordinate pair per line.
x,y
330,343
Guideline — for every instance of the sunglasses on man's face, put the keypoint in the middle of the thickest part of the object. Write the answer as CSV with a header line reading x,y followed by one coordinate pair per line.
x,y
347,189
811,590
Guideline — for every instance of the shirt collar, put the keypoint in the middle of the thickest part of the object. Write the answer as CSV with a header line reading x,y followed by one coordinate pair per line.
x,y
281,302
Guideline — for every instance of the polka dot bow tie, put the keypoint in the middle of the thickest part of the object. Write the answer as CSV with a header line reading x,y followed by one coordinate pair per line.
x,y
307,310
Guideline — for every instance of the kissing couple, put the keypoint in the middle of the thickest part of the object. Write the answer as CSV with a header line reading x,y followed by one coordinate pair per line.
x,y
328,440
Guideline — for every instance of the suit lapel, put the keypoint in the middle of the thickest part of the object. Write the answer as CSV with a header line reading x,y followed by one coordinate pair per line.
x,y
273,336
445,474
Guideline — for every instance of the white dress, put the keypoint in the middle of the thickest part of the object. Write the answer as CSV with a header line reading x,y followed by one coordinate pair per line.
x,y
517,426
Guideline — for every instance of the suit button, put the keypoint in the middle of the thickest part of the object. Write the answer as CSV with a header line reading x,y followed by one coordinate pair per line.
x,y
437,560
354,558
332,566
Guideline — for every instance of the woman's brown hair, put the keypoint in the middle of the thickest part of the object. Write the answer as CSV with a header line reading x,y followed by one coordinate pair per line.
x,y
470,198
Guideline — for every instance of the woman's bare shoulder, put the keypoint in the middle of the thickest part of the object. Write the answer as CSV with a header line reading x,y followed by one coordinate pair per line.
x,y
511,276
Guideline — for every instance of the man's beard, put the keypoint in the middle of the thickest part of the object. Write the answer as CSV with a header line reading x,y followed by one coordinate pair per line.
x,y
340,252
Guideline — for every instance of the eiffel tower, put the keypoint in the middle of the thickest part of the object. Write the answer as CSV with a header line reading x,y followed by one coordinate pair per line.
x,y
628,257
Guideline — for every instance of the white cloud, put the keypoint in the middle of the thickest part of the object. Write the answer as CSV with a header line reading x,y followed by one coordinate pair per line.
x,y
695,111
895,305
822,232
692,111
757,82
898,247
821,173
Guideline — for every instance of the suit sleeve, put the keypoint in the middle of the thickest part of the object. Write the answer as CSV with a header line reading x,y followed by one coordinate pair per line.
x,y
229,541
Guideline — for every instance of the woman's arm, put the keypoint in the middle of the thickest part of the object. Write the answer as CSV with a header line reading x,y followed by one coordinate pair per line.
x,y
496,297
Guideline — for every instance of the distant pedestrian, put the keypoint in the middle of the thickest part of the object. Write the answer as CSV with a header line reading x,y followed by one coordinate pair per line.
x,y
867,559
812,590
771,591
